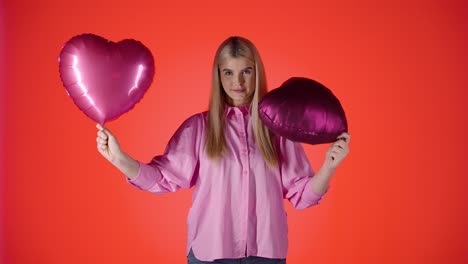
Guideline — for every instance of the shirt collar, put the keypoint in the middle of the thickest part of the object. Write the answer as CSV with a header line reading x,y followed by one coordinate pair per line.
x,y
230,110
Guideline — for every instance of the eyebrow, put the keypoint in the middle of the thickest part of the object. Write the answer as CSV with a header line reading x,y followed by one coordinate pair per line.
x,y
248,68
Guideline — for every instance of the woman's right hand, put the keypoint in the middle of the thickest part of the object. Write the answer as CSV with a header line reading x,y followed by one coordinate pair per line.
x,y
108,145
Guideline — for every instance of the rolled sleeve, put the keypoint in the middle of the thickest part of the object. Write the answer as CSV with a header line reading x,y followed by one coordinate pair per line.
x,y
310,197
146,178
296,175
177,167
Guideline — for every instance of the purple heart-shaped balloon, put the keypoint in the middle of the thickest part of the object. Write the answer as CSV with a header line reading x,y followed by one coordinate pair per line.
x,y
105,79
303,110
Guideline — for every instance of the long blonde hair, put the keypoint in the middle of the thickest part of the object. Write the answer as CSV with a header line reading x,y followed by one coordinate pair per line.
x,y
215,140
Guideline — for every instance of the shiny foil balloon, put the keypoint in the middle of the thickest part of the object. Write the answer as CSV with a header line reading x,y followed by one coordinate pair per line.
x,y
105,79
303,110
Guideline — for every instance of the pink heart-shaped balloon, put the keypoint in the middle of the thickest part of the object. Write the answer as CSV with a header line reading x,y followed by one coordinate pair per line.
x,y
105,79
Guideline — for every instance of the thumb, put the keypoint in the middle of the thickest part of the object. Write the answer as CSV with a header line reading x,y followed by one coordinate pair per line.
x,y
105,130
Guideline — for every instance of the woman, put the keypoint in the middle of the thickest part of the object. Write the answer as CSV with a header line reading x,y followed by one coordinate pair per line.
x,y
240,172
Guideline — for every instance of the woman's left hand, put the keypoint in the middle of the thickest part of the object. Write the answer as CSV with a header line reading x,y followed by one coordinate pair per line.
x,y
337,151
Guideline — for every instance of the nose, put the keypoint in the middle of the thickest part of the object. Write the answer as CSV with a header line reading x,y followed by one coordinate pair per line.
x,y
240,79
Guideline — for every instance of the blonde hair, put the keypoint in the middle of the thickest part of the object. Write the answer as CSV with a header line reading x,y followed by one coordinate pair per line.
x,y
215,140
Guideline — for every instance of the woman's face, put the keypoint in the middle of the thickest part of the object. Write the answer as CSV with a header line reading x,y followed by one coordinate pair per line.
x,y
238,79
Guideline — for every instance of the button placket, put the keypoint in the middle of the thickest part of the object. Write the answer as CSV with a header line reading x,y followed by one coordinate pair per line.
x,y
245,175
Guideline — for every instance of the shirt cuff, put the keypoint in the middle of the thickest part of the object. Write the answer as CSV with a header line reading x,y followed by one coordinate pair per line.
x,y
311,196
146,178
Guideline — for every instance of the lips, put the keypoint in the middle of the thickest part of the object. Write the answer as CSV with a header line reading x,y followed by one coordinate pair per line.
x,y
238,90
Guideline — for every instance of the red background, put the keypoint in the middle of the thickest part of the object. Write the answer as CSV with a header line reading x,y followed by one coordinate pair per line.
x,y
398,67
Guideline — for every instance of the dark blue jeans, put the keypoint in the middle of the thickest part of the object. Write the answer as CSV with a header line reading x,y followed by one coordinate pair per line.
x,y
247,260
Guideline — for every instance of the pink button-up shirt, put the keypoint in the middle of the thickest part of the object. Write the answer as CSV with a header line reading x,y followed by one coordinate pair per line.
x,y
237,203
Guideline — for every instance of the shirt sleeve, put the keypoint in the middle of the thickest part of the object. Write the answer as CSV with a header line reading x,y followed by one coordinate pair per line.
x,y
296,175
178,166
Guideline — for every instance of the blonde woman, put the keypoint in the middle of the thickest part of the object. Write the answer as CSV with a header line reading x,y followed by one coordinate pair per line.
x,y
240,172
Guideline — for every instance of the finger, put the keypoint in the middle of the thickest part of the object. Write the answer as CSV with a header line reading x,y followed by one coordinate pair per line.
x,y
344,149
102,134
344,136
102,147
104,129
107,131
336,150
339,153
101,140
340,144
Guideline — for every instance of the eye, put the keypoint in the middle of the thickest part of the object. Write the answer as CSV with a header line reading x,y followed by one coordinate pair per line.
x,y
227,73
248,71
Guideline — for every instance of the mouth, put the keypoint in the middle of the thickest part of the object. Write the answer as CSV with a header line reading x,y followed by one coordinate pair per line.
x,y
238,90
